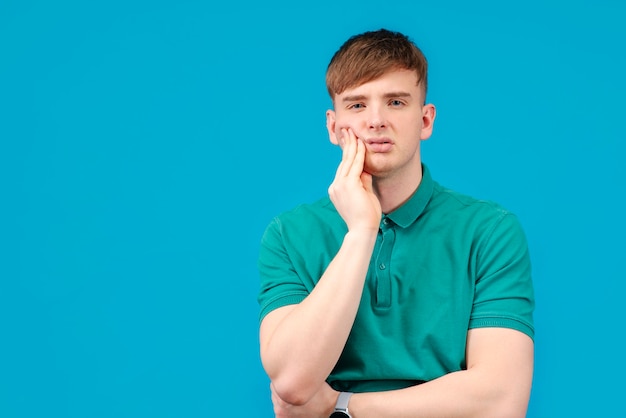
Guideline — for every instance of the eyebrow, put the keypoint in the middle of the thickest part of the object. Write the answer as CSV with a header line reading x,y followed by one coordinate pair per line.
x,y
359,97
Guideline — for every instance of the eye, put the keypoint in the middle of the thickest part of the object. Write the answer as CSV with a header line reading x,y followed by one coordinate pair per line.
x,y
396,103
356,106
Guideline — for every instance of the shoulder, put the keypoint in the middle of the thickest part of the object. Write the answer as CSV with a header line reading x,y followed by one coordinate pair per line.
x,y
454,200
451,203
476,216
306,219
319,210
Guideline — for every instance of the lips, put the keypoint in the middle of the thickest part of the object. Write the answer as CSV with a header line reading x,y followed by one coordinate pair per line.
x,y
379,144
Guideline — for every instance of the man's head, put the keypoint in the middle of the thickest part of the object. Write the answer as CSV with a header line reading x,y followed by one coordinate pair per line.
x,y
377,82
368,56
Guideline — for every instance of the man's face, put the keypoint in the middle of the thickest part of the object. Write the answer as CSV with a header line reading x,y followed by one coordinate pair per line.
x,y
389,115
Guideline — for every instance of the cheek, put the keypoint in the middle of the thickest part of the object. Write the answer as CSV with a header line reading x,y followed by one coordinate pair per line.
x,y
411,126
346,120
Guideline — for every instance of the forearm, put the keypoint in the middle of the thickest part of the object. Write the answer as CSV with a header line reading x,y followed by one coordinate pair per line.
x,y
459,394
300,351
496,384
473,393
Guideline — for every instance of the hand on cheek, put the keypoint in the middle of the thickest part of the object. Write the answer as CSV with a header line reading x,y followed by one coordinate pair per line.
x,y
347,136
344,134
352,190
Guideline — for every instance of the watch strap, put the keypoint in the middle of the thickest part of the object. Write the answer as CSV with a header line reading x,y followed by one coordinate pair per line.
x,y
342,401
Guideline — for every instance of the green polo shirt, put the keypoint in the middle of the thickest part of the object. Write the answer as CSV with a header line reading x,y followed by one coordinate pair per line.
x,y
443,263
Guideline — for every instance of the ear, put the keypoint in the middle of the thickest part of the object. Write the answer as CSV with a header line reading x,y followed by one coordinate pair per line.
x,y
330,126
428,120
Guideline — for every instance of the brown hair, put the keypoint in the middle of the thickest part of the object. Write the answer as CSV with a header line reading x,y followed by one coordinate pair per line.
x,y
367,56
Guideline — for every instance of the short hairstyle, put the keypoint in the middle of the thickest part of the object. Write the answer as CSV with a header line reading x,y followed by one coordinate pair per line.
x,y
369,55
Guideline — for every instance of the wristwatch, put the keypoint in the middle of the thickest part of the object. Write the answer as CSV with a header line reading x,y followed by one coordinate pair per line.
x,y
341,408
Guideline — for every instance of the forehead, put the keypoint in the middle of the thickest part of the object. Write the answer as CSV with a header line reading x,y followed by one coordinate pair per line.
x,y
393,81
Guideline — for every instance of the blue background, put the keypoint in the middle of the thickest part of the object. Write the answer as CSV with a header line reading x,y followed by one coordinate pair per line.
x,y
144,146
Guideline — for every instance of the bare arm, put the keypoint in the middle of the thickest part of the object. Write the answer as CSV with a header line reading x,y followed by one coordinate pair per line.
x,y
497,383
300,344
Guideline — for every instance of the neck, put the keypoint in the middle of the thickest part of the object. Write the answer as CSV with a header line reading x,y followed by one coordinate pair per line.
x,y
394,192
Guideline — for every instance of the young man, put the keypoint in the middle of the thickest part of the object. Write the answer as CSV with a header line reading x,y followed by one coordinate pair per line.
x,y
395,297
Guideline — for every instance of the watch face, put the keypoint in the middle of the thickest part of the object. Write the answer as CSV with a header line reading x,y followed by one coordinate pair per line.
x,y
339,414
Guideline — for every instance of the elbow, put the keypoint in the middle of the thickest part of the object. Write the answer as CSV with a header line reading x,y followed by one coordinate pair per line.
x,y
293,391
291,387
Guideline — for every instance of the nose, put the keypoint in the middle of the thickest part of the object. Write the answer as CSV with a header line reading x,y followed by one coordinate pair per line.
x,y
376,119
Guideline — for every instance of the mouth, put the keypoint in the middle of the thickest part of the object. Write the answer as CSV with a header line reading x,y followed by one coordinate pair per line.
x,y
383,140
379,144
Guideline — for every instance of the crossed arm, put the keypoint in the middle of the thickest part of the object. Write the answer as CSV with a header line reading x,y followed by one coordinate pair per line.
x,y
496,384
300,344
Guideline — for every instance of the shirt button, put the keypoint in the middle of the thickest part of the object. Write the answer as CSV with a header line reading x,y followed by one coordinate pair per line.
x,y
382,266
385,221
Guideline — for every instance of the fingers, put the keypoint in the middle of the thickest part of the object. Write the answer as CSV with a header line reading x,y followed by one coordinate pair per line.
x,y
347,155
359,159
352,190
353,155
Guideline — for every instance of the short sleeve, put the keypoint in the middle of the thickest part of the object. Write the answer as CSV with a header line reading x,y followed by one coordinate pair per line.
x,y
504,295
280,283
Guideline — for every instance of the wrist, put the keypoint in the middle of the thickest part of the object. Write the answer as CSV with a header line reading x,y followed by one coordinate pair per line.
x,y
332,402
363,405
342,409
362,235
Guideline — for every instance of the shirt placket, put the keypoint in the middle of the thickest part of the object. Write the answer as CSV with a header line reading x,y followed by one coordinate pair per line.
x,y
382,263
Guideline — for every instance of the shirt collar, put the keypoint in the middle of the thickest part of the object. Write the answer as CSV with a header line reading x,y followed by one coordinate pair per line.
x,y
406,214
